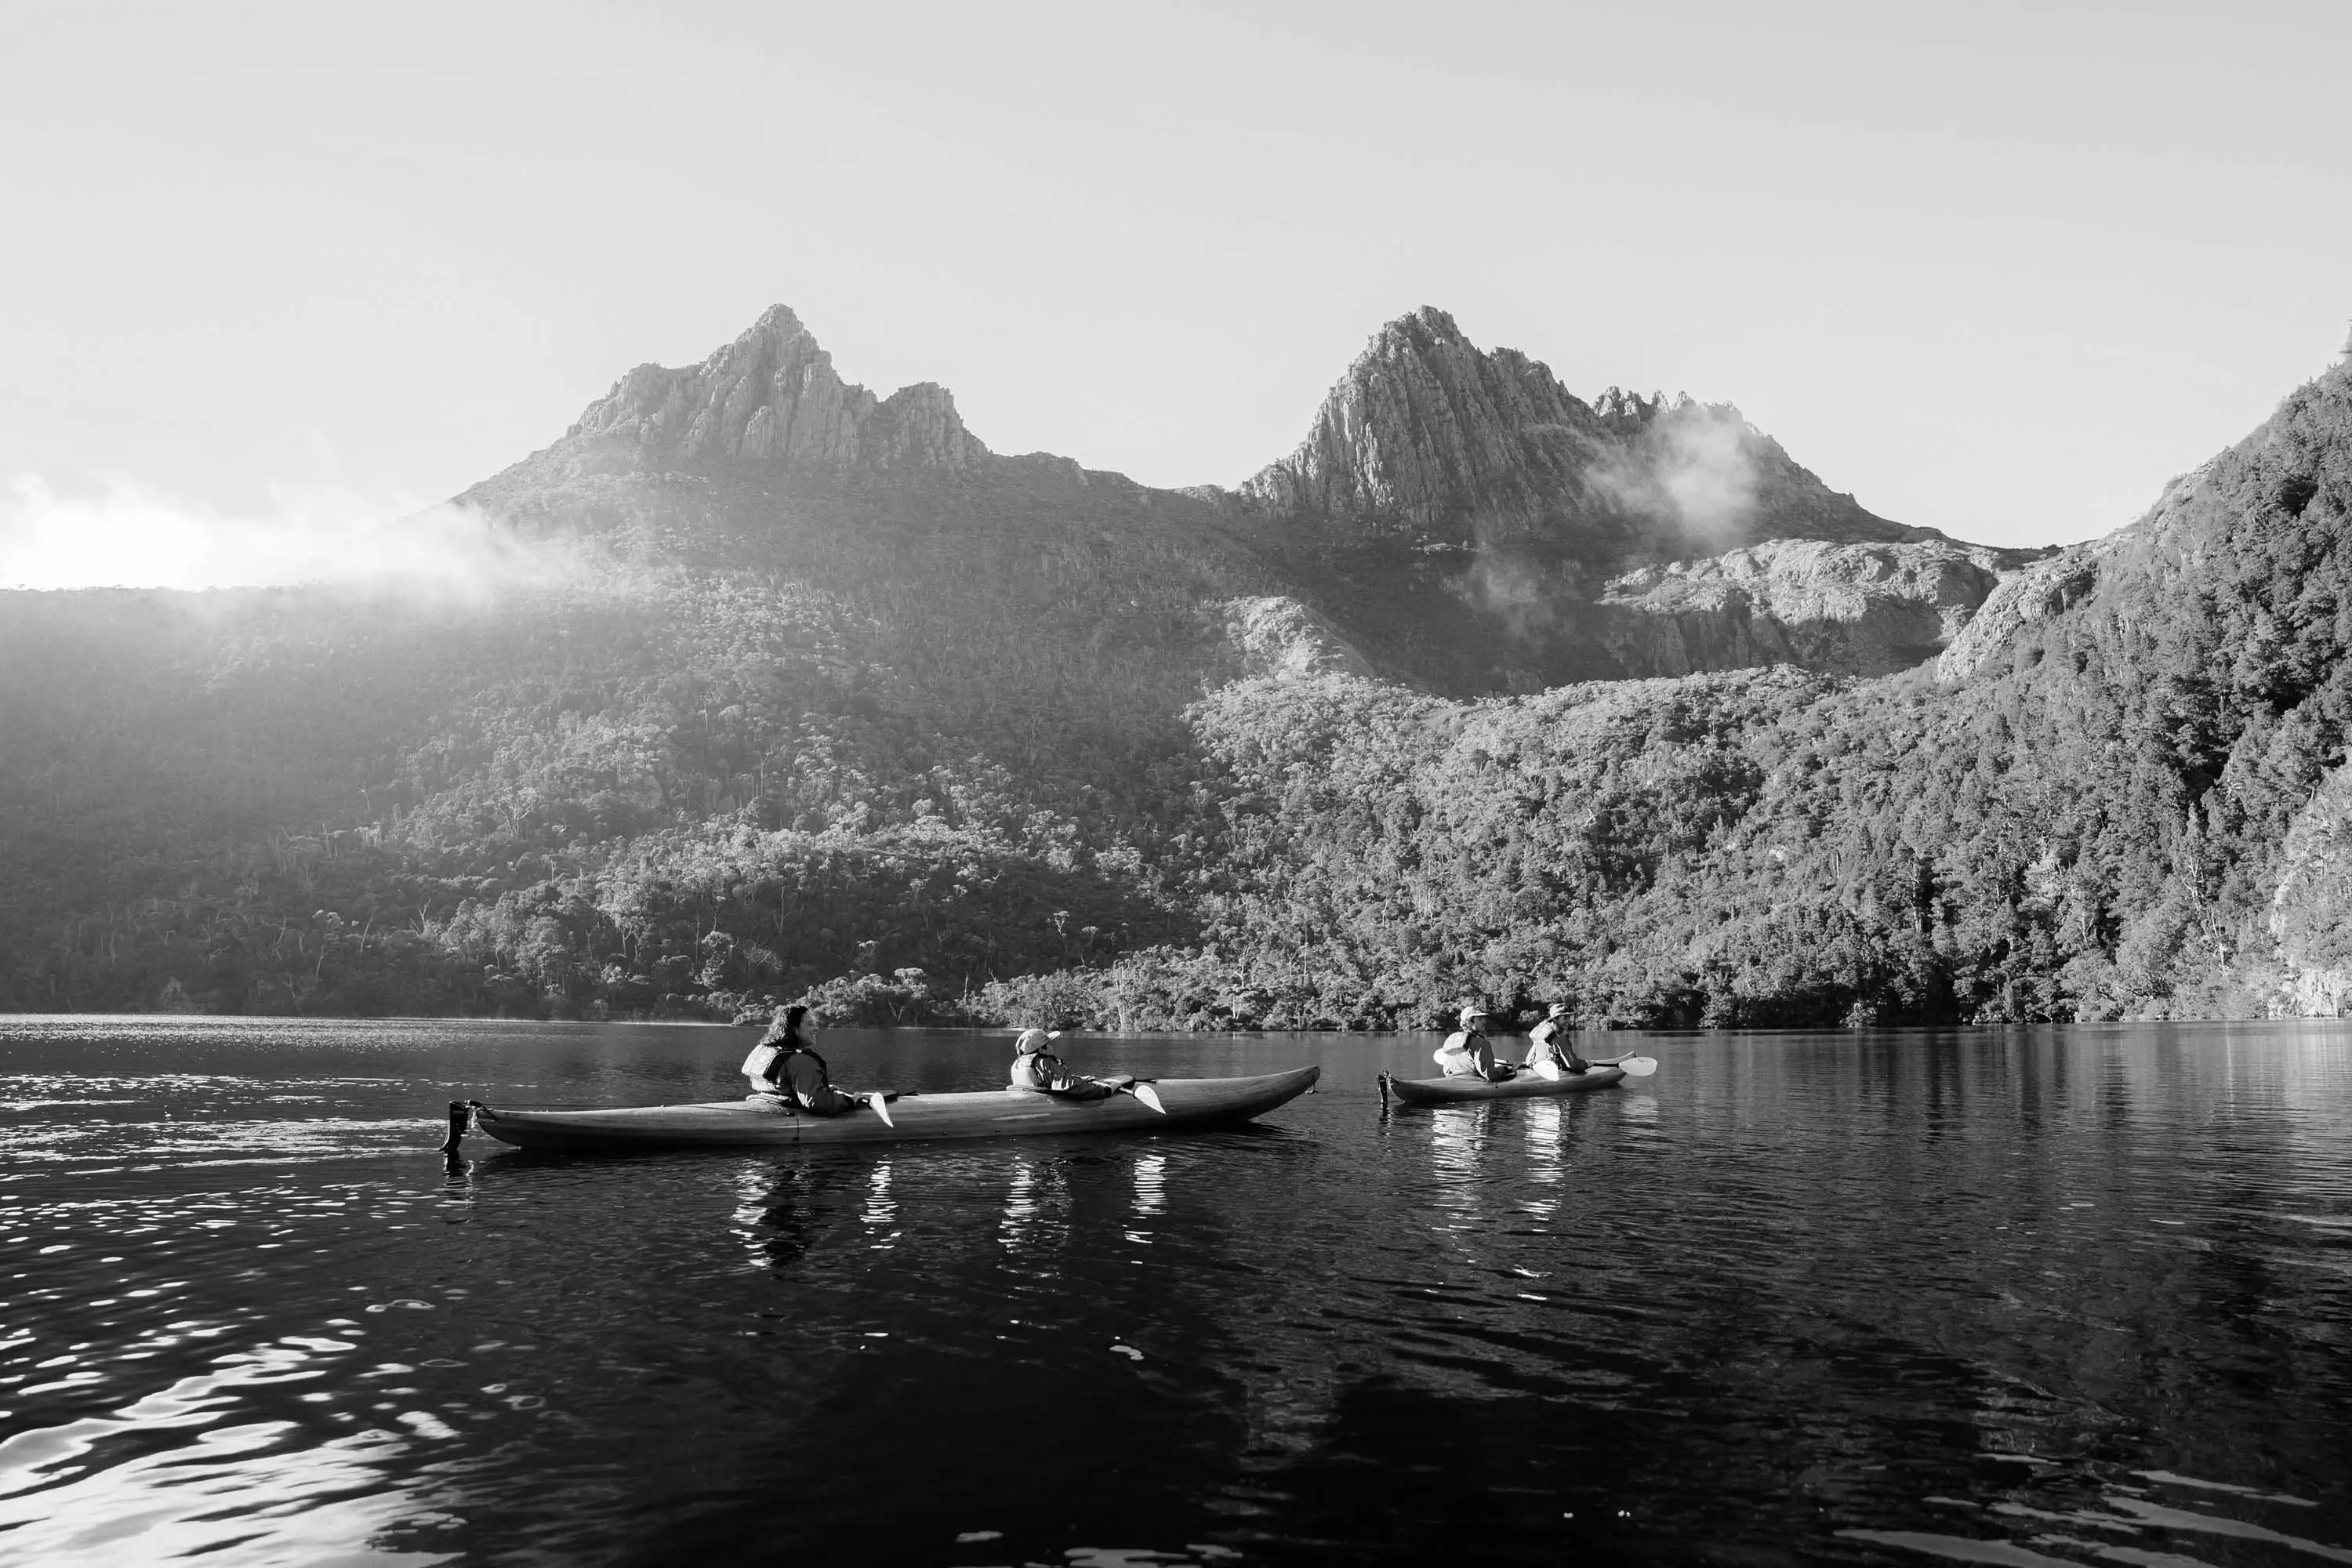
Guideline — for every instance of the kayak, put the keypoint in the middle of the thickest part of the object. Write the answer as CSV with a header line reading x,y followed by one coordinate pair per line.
x,y
995,1113
1445,1091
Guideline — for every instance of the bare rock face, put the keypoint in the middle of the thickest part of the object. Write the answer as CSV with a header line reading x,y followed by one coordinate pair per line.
x,y
2046,588
1424,423
772,399
1857,609
1274,635
1428,433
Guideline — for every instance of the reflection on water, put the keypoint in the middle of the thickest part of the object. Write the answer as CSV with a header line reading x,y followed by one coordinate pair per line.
x,y
1151,1194
1020,1203
880,1213
2025,1296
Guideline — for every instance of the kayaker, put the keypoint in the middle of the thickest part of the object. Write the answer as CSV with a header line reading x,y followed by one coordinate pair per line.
x,y
1035,1066
784,1065
1467,1053
1551,1054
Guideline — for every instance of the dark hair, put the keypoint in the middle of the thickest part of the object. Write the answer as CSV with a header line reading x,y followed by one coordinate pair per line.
x,y
785,1028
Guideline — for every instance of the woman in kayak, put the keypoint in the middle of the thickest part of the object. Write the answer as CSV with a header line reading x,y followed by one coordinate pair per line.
x,y
784,1065
1549,1052
1467,1053
1036,1068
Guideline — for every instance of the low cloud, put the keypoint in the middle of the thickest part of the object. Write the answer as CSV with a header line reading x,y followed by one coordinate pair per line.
x,y
1513,591
1694,467
132,535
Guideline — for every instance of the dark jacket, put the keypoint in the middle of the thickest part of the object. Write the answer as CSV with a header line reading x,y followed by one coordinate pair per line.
x,y
800,1074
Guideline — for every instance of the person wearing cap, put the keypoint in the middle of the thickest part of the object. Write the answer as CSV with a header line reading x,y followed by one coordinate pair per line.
x,y
1467,1053
1036,1068
783,1066
1551,1054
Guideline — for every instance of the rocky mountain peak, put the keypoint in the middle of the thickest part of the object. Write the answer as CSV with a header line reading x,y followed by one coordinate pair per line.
x,y
1424,424
772,399
1426,432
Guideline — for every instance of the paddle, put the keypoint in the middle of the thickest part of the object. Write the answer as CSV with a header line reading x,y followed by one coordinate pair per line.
x,y
1139,1087
875,1100
1631,1065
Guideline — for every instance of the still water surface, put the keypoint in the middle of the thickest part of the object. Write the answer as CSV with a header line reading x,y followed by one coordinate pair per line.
x,y
2061,1296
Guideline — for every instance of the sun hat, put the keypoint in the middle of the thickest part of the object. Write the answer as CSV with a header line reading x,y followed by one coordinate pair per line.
x,y
1472,1011
1035,1040
1556,1010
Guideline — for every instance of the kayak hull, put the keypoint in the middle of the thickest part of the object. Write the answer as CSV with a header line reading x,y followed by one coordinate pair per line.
x,y
1001,1113
1448,1090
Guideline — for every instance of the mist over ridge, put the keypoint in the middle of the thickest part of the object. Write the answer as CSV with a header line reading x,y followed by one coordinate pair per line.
x,y
127,535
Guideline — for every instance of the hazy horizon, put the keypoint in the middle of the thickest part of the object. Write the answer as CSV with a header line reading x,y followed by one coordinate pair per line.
x,y
2001,274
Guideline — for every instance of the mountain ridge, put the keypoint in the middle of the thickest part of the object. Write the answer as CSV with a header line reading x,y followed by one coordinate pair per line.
x,y
1426,430
1456,514
772,395
844,710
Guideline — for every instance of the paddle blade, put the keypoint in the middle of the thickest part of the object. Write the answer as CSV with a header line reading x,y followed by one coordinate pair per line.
x,y
1639,1067
1150,1096
875,1103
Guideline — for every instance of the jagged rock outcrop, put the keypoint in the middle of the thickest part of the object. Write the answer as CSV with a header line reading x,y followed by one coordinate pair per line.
x,y
1428,433
1424,424
1856,609
2048,587
771,399
1275,635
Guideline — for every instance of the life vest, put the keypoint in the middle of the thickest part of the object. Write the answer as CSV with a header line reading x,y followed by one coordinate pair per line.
x,y
759,1066
1458,1054
1546,1055
1037,1069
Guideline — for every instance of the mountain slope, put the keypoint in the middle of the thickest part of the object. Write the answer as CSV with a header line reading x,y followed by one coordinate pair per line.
x,y
2129,802
829,699
1470,518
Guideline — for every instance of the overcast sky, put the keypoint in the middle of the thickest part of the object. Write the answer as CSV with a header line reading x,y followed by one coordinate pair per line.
x,y
2002,269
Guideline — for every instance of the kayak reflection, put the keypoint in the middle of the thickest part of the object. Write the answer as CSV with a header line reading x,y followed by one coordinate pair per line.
x,y
1151,1194
880,1215
782,1212
1547,1124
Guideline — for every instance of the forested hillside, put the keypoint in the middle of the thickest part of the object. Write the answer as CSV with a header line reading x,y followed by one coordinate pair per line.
x,y
816,696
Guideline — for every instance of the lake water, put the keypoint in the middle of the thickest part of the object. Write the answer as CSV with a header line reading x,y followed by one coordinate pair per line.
x,y
2080,1296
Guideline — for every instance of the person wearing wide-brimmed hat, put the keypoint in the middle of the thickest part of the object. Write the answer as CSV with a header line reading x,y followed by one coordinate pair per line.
x,y
1550,1053
1467,1053
1035,1066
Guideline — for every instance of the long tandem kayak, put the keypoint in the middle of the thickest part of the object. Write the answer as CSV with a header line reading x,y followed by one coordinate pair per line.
x,y
995,1113
1445,1090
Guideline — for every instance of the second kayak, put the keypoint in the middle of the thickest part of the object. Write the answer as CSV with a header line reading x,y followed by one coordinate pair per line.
x,y
1445,1091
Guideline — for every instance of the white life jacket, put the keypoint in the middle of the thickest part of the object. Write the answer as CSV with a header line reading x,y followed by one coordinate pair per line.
x,y
760,1064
